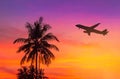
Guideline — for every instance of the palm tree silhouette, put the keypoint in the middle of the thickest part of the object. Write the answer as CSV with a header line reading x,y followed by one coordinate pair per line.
x,y
31,72
41,74
23,73
37,44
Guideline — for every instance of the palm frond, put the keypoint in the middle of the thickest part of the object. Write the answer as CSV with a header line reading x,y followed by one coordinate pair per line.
x,y
37,30
23,59
51,46
40,20
20,40
45,28
25,47
30,29
54,47
31,54
32,59
47,60
50,36
47,55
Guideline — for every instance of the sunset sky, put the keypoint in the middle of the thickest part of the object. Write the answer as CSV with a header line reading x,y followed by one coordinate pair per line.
x,y
80,56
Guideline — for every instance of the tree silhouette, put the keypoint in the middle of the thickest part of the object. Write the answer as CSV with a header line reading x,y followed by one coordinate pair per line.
x,y
23,73
29,73
37,44
41,74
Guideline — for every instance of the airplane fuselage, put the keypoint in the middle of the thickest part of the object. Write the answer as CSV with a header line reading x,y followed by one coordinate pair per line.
x,y
88,29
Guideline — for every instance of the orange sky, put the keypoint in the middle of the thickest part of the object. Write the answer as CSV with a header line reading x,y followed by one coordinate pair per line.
x,y
79,58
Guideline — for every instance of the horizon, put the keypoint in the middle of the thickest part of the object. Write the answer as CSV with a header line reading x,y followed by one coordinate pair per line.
x,y
80,56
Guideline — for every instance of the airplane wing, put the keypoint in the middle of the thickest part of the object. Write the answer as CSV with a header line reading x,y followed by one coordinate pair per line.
x,y
94,26
87,32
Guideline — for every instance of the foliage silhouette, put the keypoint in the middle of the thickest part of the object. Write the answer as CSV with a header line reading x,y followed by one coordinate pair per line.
x,y
29,73
37,45
23,73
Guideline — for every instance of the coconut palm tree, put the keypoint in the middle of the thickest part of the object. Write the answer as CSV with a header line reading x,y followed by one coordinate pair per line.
x,y
37,44
23,73
26,72
41,74
31,72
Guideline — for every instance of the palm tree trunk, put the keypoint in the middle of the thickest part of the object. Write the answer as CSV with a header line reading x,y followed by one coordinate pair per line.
x,y
39,61
36,66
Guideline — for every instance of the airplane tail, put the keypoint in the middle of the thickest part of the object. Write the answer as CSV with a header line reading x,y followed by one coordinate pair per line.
x,y
105,32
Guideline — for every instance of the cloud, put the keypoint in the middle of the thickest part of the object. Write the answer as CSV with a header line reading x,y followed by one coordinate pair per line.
x,y
7,70
74,73
78,43
9,32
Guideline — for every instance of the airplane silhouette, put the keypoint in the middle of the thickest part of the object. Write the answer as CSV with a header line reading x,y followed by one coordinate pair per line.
x,y
88,30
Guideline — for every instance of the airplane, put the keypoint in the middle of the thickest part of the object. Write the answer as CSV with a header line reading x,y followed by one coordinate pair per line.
x,y
91,29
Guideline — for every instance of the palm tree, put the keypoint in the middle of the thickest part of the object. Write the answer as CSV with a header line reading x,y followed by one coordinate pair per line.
x,y
31,72
23,73
26,72
37,44
41,74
